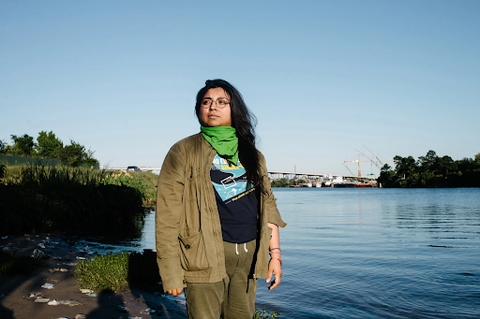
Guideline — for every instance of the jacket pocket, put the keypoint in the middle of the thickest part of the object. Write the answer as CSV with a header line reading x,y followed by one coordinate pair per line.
x,y
193,255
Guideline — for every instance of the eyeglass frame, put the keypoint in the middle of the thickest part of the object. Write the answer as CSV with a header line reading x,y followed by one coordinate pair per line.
x,y
214,101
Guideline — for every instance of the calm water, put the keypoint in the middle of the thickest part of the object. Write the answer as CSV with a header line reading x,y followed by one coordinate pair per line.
x,y
378,253
374,253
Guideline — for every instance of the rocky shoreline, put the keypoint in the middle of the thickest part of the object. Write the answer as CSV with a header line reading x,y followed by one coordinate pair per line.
x,y
52,292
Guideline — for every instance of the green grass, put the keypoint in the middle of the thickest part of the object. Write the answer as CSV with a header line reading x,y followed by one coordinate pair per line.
x,y
265,314
108,272
73,200
150,181
112,272
37,174
145,182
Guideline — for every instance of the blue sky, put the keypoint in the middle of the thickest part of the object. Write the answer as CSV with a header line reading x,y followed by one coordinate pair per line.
x,y
324,78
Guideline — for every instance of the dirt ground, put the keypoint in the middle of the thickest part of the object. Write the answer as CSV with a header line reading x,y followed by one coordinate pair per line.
x,y
20,295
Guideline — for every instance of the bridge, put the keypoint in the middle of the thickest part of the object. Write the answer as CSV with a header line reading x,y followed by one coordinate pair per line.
x,y
273,175
314,176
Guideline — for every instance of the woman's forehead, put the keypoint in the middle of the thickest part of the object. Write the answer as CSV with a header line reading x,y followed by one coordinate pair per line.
x,y
216,92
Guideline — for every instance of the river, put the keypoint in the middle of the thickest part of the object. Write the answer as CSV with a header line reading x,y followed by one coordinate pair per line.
x,y
374,253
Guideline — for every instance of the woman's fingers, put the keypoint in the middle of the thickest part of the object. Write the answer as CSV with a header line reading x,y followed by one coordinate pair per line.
x,y
175,292
274,268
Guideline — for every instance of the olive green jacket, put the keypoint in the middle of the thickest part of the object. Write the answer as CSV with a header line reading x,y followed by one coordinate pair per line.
x,y
188,233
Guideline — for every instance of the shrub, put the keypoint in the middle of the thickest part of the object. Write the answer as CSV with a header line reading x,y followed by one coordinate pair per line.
x,y
265,314
115,271
107,272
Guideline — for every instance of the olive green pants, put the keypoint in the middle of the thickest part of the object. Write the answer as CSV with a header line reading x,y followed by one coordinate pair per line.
x,y
232,298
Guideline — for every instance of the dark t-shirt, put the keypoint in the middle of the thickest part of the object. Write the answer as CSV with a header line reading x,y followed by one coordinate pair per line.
x,y
236,201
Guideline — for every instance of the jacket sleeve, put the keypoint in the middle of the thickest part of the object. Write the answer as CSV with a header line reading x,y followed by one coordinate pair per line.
x,y
170,189
273,215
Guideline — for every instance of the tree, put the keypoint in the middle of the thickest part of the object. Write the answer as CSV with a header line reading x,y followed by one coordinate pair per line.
x,y
445,165
2,147
75,154
90,160
23,145
432,171
385,168
428,162
280,182
48,145
404,166
387,177
465,164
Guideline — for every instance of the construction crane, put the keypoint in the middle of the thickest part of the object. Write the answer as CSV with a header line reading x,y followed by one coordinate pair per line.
x,y
357,161
379,160
369,159
374,161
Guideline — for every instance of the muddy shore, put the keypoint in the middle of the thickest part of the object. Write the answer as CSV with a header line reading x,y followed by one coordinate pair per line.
x,y
23,296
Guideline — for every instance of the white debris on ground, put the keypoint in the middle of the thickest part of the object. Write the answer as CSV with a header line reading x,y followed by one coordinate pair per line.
x,y
62,257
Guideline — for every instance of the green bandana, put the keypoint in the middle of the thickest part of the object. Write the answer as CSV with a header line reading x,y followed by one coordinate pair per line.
x,y
224,140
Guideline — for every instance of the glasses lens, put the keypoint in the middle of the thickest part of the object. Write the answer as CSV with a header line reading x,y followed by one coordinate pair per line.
x,y
222,103
206,103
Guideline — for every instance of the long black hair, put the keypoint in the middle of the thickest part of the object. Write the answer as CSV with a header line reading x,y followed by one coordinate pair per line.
x,y
244,123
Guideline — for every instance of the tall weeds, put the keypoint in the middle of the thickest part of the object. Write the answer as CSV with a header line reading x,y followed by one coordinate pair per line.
x,y
50,175
145,182
75,200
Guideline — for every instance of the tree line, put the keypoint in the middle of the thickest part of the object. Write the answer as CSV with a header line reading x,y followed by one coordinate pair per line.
x,y
47,145
431,171
283,182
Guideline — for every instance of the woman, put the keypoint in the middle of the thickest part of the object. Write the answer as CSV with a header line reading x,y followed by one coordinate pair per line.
x,y
217,221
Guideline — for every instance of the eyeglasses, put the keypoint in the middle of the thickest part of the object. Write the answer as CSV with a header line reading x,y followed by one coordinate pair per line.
x,y
221,103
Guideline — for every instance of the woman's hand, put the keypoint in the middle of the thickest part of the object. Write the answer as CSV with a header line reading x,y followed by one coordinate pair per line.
x,y
275,269
275,264
175,292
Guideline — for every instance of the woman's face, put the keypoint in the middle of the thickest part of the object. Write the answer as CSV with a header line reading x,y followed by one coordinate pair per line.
x,y
213,110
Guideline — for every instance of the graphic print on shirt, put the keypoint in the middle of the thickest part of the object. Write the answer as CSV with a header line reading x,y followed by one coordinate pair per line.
x,y
230,182
236,202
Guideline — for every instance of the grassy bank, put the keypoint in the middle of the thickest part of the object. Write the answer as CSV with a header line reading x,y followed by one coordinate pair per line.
x,y
144,182
113,272
74,200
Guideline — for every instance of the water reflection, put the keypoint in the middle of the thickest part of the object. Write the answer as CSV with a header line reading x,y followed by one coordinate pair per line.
x,y
379,253
100,246
369,253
